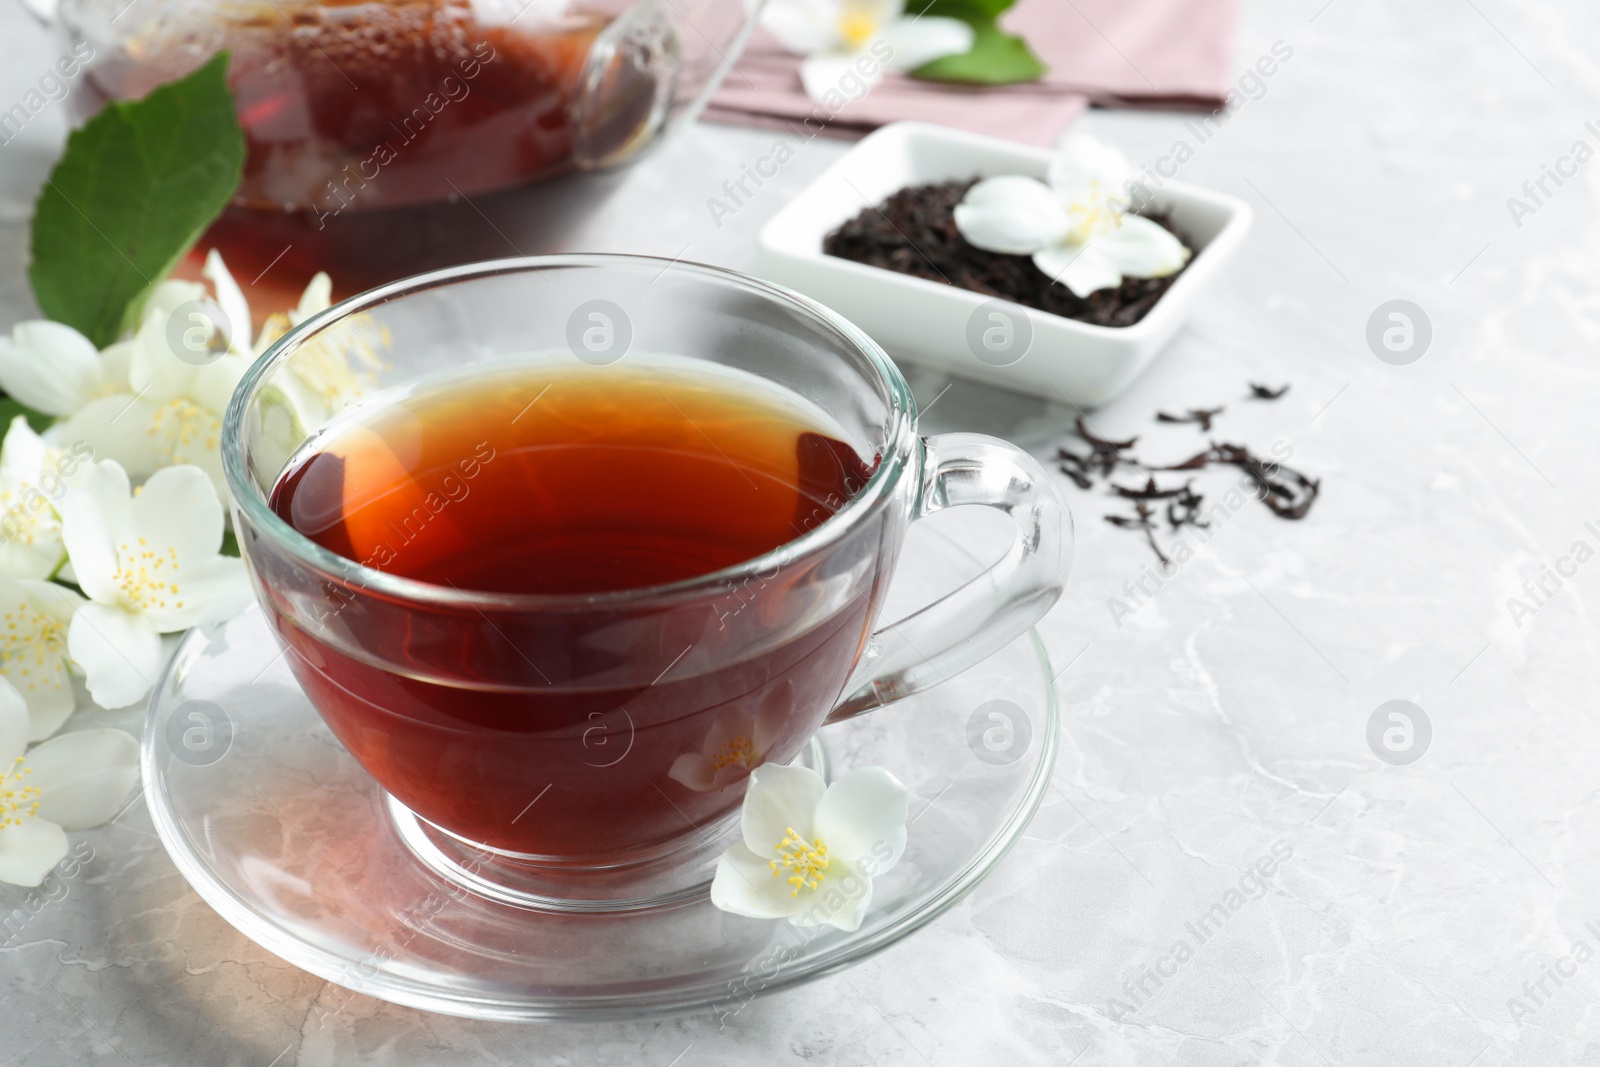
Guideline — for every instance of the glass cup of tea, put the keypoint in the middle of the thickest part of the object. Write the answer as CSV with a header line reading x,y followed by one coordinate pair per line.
x,y
562,547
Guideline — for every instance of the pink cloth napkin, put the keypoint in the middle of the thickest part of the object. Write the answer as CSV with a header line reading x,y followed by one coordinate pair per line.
x,y
1122,53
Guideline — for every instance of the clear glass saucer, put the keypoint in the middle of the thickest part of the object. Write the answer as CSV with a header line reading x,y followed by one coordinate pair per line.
x,y
279,830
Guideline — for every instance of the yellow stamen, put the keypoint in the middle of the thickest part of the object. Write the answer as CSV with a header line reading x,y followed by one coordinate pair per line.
x,y
147,579
1095,212
15,797
736,750
180,424
40,643
857,25
807,863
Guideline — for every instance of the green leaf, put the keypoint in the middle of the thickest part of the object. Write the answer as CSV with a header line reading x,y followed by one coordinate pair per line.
x,y
10,409
230,544
135,189
996,58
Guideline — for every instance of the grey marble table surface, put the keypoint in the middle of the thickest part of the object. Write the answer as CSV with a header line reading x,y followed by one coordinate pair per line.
x,y
1434,912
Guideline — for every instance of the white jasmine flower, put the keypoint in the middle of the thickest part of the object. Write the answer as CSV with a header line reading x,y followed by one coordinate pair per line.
x,y
34,620
318,296
73,782
850,41
173,412
735,745
149,564
31,481
335,368
810,850
53,368
156,399
1076,228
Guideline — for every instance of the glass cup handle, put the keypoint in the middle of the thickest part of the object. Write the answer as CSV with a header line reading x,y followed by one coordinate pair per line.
x,y
977,620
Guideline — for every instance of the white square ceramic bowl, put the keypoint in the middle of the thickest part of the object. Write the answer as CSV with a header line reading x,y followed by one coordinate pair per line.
x,y
919,321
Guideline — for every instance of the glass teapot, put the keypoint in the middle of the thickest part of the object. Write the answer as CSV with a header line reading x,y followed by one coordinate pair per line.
x,y
361,114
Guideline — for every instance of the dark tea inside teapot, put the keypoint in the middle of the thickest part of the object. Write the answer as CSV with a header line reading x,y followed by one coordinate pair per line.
x,y
366,121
